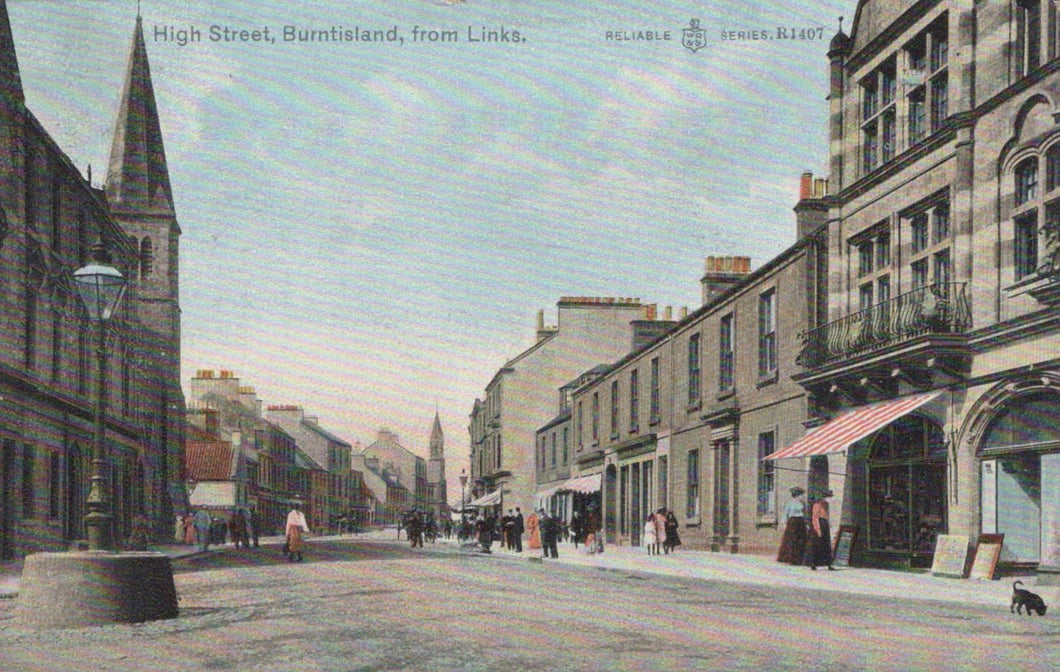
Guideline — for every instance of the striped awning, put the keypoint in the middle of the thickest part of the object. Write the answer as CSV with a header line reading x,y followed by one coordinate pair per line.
x,y
583,484
840,433
487,500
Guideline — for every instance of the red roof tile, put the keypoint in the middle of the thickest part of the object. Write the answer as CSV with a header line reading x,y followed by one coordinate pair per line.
x,y
208,460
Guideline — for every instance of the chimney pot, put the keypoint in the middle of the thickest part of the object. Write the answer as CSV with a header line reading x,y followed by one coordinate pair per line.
x,y
806,185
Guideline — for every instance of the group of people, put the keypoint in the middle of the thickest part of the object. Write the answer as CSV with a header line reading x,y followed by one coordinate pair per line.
x,y
418,525
199,527
660,532
807,540
544,531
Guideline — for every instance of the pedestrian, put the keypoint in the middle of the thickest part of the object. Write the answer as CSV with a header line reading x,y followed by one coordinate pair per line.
x,y
575,529
822,535
660,531
202,524
533,529
189,529
519,528
650,540
508,529
237,527
178,529
295,529
673,539
595,525
484,527
255,526
793,543
414,528
549,534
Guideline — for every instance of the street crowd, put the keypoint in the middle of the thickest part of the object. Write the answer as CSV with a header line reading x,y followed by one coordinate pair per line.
x,y
243,528
544,531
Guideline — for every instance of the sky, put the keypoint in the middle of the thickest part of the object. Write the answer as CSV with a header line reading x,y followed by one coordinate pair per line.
x,y
370,227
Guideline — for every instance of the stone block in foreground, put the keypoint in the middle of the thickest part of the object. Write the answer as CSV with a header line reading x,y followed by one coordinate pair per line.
x,y
83,588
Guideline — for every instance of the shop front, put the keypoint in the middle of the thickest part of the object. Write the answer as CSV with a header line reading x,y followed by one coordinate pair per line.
x,y
1019,467
894,482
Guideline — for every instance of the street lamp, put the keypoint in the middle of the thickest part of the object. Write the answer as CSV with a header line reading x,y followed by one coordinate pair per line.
x,y
100,585
101,288
463,499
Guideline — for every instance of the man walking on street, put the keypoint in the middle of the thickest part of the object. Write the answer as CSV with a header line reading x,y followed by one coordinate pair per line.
x,y
518,529
202,529
549,534
255,523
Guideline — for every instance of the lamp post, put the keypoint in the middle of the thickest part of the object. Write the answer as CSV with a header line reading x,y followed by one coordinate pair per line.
x,y
100,585
463,499
101,288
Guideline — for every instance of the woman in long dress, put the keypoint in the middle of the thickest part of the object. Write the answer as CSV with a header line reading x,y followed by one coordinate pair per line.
x,y
793,543
822,535
650,540
533,529
296,528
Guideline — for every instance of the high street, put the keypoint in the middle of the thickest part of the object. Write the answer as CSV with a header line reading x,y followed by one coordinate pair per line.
x,y
371,603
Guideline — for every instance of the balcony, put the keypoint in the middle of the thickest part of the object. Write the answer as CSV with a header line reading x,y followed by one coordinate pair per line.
x,y
938,309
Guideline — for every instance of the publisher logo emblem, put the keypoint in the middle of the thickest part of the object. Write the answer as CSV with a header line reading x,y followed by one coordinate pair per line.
x,y
694,38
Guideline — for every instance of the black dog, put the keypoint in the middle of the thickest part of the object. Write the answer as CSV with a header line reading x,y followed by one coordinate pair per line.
x,y
1022,598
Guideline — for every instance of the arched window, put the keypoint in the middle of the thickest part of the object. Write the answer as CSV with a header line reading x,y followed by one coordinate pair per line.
x,y
147,258
1031,423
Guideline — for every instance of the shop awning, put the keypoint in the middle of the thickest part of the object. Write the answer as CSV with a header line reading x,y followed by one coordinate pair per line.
x,y
583,484
492,499
840,433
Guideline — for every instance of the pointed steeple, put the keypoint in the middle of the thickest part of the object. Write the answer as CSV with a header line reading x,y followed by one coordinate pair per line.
x,y
137,176
10,79
437,442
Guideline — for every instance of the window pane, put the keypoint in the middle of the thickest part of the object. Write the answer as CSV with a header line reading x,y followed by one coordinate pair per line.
x,y
1027,181
1052,168
942,223
919,230
1026,245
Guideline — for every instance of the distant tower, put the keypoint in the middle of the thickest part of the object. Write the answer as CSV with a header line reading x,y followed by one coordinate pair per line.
x,y
436,471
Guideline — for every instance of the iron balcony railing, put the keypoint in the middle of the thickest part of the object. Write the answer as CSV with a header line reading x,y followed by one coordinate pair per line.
x,y
940,308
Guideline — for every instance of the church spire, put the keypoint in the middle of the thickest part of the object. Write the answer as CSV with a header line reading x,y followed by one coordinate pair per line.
x,y
10,79
137,176
437,443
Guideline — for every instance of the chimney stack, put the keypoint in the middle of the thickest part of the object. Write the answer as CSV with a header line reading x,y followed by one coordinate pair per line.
x,y
722,273
810,212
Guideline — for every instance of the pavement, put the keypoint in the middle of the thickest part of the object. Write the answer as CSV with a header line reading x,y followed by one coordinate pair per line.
x,y
752,570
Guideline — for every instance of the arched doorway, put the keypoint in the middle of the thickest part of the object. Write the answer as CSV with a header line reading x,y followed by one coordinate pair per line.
x,y
1020,467
906,504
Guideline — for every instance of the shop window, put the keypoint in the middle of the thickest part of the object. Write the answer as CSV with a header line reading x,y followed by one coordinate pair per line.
x,y
907,487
